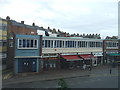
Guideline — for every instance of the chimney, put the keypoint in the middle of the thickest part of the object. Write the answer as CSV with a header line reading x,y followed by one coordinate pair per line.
x,y
33,24
48,27
8,18
22,22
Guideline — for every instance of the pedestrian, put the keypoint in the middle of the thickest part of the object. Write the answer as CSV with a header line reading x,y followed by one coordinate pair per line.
x,y
84,66
90,68
110,70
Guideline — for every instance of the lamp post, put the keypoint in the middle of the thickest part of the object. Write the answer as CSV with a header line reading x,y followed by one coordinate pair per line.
x,y
91,59
90,62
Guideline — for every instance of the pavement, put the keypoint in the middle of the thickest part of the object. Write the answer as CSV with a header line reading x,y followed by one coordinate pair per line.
x,y
51,75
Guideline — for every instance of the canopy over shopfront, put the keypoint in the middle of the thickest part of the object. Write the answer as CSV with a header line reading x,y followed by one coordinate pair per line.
x,y
114,54
71,57
87,56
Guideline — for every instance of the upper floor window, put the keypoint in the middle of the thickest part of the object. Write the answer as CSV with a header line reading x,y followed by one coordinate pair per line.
x,y
28,43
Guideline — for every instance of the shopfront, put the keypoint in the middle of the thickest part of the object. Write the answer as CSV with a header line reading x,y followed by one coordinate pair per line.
x,y
71,61
113,57
27,54
24,65
99,58
88,59
50,63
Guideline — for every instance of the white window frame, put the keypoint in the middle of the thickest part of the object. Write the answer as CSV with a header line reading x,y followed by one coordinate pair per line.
x,y
26,44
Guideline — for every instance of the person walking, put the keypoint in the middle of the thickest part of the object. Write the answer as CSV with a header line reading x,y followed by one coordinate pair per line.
x,y
84,66
110,70
89,69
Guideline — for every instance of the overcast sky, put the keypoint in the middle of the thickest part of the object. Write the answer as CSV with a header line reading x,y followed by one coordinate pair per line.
x,y
73,16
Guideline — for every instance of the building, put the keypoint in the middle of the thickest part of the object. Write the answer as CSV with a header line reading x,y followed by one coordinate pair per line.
x,y
3,40
13,28
51,52
70,50
110,50
25,53
34,53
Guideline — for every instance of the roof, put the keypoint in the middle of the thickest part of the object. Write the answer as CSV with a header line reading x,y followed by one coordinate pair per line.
x,y
25,25
74,38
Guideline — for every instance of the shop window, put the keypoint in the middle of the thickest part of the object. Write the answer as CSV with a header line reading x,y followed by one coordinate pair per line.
x,y
54,65
50,65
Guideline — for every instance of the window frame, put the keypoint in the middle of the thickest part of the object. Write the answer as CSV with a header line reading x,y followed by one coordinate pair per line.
x,y
26,45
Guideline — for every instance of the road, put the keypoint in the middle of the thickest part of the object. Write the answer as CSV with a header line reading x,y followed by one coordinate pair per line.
x,y
97,79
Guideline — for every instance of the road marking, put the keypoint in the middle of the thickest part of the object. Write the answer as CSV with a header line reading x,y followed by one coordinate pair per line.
x,y
7,76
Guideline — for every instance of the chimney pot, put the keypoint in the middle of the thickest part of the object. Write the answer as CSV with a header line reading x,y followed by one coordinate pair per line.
x,y
33,24
8,18
22,22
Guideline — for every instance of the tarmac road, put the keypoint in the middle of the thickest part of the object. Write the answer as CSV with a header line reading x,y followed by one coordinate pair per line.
x,y
78,82
98,79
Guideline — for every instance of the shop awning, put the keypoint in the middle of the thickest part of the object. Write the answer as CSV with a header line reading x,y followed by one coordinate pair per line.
x,y
87,56
114,54
71,57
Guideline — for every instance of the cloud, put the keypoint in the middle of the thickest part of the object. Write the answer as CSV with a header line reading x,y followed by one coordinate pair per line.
x,y
74,16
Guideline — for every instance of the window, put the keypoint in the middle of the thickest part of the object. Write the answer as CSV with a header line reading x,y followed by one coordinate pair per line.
x,y
31,43
66,44
43,43
98,44
48,42
92,44
35,45
51,43
20,43
1,44
63,44
27,43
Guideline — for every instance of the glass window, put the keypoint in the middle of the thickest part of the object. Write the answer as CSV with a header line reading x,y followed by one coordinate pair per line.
x,y
63,44
66,44
48,42
51,43
20,43
60,43
43,43
27,43
32,43
24,42
35,44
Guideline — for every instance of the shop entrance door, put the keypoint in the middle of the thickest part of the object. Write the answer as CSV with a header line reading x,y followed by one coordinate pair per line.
x,y
27,65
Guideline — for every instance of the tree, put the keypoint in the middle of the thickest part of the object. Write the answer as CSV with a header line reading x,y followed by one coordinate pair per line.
x,y
63,85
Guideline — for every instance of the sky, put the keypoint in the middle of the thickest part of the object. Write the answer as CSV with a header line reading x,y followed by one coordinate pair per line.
x,y
72,16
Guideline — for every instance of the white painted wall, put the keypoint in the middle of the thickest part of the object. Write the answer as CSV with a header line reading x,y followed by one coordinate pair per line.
x,y
70,50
